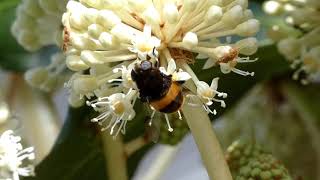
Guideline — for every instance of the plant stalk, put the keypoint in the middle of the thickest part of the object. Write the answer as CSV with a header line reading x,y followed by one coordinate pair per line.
x,y
37,118
207,142
113,149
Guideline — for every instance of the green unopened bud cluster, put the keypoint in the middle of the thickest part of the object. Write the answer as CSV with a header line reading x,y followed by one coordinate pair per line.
x,y
248,161
180,130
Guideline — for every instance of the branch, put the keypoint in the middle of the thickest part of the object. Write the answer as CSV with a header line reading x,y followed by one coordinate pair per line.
x,y
207,142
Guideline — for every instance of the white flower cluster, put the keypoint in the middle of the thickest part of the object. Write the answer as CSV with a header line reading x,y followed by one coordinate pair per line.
x,y
12,157
38,24
47,78
303,49
105,39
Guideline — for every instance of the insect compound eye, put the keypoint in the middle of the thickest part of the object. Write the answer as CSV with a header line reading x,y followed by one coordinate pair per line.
x,y
145,65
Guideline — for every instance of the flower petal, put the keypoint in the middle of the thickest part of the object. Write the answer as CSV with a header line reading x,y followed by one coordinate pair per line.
x,y
171,66
163,70
225,68
214,84
209,64
181,76
147,31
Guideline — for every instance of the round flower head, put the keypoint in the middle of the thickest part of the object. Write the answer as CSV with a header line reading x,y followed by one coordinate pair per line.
x,y
122,34
12,157
301,46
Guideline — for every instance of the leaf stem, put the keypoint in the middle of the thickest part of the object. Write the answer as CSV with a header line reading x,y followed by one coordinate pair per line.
x,y
207,142
113,150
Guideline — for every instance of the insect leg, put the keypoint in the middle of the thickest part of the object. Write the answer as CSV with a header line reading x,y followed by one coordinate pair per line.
x,y
168,123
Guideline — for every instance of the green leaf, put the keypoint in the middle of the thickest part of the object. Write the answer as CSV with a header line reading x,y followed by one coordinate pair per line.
x,y
77,153
8,44
78,145
13,56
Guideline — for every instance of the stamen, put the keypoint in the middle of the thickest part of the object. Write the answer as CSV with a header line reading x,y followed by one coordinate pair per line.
x,y
222,103
206,108
243,73
115,80
151,118
168,123
246,60
180,116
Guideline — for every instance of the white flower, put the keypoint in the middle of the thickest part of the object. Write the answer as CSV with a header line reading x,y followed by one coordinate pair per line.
x,y
207,93
228,57
12,157
117,108
145,44
126,78
179,75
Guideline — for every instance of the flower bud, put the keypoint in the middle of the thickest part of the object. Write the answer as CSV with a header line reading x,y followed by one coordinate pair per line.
x,y
35,77
290,48
108,41
233,16
151,16
78,21
74,63
189,5
81,42
190,39
247,46
214,14
248,28
108,19
94,30
171,13
138,5
91,58
122,32
92,3
75,101
84,84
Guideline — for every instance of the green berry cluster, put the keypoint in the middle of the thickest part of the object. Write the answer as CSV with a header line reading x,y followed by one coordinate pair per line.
x,y
180,129
249,161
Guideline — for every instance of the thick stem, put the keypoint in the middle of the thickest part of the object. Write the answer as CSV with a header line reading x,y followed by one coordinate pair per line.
x,y
37,118
207,142
113,150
